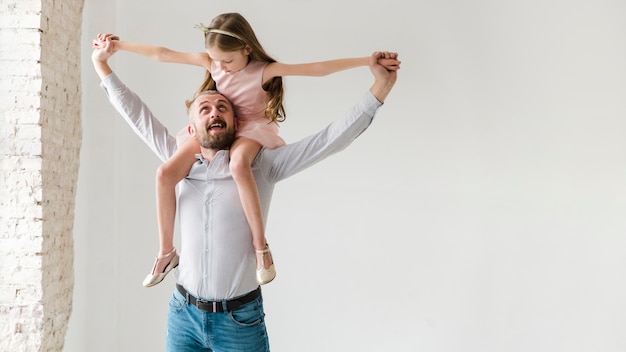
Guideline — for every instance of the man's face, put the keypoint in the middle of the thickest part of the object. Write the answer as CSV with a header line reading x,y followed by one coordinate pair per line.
x,y
213,121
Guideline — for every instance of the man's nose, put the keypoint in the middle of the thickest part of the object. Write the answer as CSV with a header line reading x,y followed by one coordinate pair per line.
x,y
214,112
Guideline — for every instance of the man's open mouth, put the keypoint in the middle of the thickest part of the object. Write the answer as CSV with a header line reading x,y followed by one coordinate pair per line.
x,y
216,125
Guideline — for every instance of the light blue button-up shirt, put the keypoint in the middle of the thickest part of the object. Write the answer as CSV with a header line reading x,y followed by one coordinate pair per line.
x,y
217,260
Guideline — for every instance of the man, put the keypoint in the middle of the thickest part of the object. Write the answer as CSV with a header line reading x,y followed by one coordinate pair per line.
x,y
217,303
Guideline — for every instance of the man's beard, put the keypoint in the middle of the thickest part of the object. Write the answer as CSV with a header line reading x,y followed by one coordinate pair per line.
x,y
216,141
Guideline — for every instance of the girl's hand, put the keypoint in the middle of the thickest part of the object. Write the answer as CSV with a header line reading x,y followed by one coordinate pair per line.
x,y
103,47
98,43
389,60
103,37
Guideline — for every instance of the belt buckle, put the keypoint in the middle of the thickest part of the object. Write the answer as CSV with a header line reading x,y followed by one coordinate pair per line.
x,y
204,303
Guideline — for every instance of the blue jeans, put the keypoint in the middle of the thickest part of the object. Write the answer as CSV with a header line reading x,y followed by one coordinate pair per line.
x,y
190,329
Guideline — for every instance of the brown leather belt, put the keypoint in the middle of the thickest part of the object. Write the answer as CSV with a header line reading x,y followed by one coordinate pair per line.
x,y
219,306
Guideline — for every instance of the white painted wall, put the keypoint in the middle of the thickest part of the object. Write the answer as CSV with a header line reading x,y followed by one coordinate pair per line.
x,y
482,211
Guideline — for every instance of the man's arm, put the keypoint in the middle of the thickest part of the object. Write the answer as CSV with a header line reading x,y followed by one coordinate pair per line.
x,y
384,79
290,159
134,111
102,51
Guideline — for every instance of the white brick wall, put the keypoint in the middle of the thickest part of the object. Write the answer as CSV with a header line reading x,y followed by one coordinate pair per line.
x,y
40,132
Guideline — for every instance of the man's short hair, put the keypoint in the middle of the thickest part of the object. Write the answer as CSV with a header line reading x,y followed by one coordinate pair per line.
x,y
195,96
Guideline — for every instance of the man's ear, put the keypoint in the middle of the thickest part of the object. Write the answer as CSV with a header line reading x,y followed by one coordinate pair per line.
x,y
191,130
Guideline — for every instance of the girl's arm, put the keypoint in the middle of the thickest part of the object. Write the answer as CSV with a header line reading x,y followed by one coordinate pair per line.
x,y
323,68
163,54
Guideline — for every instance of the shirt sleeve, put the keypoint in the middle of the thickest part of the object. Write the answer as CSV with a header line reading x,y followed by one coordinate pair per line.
x,y
285,161
137,114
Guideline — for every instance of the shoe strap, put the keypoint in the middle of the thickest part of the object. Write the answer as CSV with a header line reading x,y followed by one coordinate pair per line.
x,y
263,252
166,254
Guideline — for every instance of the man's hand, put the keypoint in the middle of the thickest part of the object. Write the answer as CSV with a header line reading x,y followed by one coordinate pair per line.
x,y
384,66
102,51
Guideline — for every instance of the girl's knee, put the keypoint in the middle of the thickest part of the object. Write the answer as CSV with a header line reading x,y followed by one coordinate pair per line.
x,y
239,167
165,176
242,154
161,172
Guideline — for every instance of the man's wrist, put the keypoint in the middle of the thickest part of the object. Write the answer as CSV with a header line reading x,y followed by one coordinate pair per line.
x,y
381,89
102,67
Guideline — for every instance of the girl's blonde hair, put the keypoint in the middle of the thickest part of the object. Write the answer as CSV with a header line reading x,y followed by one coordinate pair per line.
x,y
232,32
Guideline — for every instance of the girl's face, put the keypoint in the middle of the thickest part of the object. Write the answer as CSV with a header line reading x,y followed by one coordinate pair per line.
x,y
230,61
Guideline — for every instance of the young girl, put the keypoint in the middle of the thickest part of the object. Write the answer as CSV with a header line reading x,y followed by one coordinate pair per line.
x,y
237,66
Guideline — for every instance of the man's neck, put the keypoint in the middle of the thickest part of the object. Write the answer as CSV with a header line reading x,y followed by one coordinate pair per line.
x,y
208,154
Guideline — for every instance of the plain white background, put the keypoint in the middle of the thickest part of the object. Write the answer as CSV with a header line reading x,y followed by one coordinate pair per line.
x,y
482,211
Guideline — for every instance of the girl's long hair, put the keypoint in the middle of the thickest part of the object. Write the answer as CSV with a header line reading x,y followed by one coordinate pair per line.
x,y
237,25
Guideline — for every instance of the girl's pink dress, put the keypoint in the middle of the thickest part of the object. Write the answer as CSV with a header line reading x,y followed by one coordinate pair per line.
x,y
243,89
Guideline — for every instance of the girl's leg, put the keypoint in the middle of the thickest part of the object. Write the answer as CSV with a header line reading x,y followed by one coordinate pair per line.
x,y
167,177
242,153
